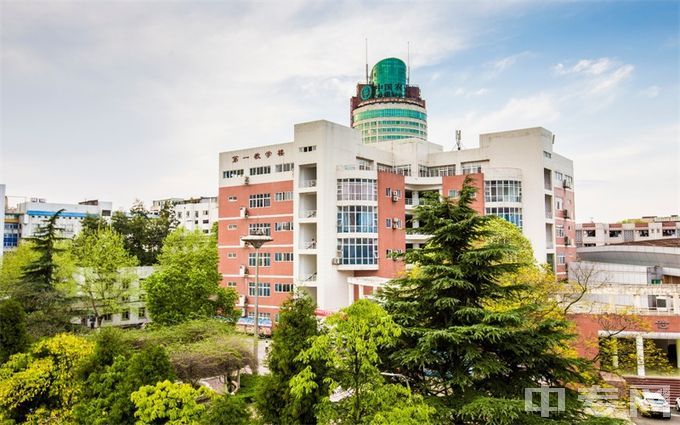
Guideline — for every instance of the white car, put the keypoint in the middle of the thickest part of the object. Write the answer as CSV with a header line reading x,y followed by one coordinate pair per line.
x,y
653,404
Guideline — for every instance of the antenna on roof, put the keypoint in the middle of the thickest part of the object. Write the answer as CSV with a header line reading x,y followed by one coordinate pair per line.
x,y
408,63
459,144
366,60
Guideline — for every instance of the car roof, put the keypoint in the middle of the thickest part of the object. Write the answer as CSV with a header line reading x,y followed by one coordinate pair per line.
x,y
649,394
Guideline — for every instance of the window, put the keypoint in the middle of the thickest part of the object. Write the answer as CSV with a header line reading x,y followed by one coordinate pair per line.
x,y
388,223
283,196
404,170
558,203
453,193
283,256
231,255
125,315
232,173
283,287
440,171
511,214
385,168
559,176
206,221
308,148
357,190
232,198
547,154
614,233
590,233
559,230
141,313
502,191
472,168
358,251
379,113
232,227
284,226
260,229
231,284
668,232
388,191
265,259
561,259
644,233
260,200
107,317
357,219
256,171
364,164
280,168
265,289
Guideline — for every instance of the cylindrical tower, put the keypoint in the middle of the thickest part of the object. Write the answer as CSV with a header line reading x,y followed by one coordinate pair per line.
x,y
387,107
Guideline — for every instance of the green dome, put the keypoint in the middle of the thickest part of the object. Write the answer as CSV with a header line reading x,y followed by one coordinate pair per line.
x,y
389,78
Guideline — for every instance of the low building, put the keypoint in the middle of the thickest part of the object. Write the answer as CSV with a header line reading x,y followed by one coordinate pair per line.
x,y
644,229
37,212
632,290
3,202
192,213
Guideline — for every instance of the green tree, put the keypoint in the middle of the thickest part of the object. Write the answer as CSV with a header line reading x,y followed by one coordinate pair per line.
x,y
144,234
13,335
350,348
111,376
104,278
227,410
293,334
42,383
169,403
12,267
92,224
186,284
45,281
455,344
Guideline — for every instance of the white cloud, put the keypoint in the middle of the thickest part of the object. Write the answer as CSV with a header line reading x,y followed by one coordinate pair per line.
x,y
650,92
461,92
585,66
613,79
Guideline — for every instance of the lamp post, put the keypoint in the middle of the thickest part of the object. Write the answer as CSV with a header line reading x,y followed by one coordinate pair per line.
x,y
256,241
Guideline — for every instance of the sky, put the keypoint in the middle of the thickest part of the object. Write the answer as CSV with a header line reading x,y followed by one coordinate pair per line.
x,y
131,100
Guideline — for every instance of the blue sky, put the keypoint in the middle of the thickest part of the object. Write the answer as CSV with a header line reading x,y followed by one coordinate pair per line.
x,y
125,100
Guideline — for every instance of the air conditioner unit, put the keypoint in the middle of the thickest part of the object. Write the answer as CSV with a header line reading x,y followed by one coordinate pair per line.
x,y
241,300
395,197
243,270
246,180
565,213
566,184
566,241
244,212
336,261
396,223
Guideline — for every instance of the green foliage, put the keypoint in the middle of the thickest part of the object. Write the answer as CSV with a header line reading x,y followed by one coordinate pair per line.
x,y
13,334
143,234
169,403
105,276
227,410
297,325
114,377
501,232
92,224
43,380
455,343
12,267
186,285
625,349
350,347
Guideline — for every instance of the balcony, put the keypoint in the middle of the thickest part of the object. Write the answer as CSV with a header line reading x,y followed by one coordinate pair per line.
x,y
549,214
311,244
308,214
307,184
308,280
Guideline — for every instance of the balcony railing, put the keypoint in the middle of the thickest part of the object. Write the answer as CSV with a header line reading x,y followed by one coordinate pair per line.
x,y
548,214
308,278
308,183
309,244
354,167
308,214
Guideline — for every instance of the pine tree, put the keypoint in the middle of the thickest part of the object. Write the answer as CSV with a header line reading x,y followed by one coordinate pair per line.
x,y
297,325
40,274
476,360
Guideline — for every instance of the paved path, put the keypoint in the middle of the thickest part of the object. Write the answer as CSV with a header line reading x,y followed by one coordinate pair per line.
x,y
675,419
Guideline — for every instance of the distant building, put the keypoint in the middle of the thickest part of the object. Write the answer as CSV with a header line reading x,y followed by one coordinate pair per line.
x,y
193,213
644,229
633,291
3,202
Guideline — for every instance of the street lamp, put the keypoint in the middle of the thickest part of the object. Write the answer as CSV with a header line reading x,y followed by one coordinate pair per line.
x,y
256,240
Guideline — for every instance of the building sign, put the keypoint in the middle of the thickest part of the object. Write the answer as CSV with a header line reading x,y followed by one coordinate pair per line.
x,y
662,324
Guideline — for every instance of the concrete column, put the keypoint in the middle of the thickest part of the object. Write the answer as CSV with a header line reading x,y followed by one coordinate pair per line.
x,y
615,353
636,301
676,304
640,348
612,303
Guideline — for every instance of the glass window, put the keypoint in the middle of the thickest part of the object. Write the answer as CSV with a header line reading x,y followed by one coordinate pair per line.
x,y
308,148
283,287
357,190
265,289
511,214
260,229
284,226
280,168
503,191
283,196
358,251
559,230
260,200
453,193
232,173
379,113
256,171
283,256
141,313
265,259
357,219
443,170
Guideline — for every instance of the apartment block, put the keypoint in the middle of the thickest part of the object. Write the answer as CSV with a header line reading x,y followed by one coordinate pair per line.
x,y
193,213
644,229
338,207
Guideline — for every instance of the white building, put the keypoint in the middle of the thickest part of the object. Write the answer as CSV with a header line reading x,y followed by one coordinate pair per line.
x,y
36,212
193,213
336,208
644,229
2,218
